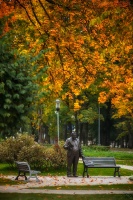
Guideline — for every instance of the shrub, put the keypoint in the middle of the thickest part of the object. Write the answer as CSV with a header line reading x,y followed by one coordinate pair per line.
x,y
24,148
2,152
34,155
12,146
57,156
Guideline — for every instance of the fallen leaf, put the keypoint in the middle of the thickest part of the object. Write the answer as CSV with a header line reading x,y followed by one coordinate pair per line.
x,y
58,188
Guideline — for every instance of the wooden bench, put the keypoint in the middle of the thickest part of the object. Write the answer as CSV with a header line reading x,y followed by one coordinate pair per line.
x,y
100,162
23,168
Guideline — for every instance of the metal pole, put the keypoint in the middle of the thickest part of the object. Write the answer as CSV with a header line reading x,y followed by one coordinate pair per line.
x,y
58,125
57,110
99,125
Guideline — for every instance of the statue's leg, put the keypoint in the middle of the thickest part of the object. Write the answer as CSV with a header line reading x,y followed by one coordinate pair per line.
x,y
69,164
75,164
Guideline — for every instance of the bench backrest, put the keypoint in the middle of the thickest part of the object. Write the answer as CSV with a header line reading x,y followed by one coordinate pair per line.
x,y
99,161
23,166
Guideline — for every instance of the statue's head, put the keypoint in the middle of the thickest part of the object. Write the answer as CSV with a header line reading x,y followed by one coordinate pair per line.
x,y
74,135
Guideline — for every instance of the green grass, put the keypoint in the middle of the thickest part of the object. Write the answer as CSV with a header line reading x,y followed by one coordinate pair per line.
x,y
121,156
124,162
90,187
118,154
65,197
125,158
5,181
5,170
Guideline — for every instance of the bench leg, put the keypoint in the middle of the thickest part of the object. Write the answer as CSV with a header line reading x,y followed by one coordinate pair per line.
x,y
37,180
85,171
19,174
17,177
117,171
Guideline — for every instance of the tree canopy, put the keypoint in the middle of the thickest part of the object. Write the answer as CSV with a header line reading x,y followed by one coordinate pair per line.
x,y
86,46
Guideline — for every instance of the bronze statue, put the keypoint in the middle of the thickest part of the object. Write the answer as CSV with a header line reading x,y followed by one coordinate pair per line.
x,y
73,147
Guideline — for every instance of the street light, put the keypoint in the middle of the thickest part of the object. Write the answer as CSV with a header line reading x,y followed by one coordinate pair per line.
x,y
76,109
58,109
99,124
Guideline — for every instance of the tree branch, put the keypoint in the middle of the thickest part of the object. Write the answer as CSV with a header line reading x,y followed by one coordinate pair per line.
x,y
34,13
44,9
27,14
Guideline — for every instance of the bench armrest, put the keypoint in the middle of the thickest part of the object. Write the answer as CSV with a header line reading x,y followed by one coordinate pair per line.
x,y
88,163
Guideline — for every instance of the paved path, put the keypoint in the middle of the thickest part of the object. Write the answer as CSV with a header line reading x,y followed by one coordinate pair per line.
x,y
64,180
46,191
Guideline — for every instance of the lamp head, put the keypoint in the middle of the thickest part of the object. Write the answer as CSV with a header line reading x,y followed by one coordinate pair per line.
x,y
57,104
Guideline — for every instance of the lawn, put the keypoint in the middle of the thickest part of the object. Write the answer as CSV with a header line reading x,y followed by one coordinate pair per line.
x,y
124,157
90,187
118,154
65,197
121,156
6,170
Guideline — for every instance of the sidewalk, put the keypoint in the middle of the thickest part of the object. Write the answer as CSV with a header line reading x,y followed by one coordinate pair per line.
x,y
64,180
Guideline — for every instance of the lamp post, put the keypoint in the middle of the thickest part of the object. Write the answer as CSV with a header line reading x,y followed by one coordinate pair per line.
x,y
57,112
98,124
76,108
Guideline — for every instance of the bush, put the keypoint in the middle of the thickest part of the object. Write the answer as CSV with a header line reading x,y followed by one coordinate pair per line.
x,y
57,156
11,147
2,152
34,155
24,148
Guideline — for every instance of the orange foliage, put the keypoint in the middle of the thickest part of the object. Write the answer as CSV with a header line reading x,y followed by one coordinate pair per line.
x,y
6,10
88,41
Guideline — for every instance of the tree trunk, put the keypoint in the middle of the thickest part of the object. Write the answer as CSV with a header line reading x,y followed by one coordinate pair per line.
x,y
84,133
130,142
106,125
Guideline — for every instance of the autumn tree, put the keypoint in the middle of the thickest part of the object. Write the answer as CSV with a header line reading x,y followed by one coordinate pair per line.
x,y
89,46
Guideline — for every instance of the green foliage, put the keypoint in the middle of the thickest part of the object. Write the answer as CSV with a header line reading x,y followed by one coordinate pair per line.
x,y
17,89
89,115
24,148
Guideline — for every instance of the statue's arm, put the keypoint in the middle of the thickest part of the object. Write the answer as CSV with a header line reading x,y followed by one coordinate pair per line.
x,y
81,151
68,145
